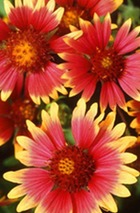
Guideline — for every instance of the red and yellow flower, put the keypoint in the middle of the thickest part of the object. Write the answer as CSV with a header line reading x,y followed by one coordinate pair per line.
x,y
26,56
134,110
84,9
65,177
97,58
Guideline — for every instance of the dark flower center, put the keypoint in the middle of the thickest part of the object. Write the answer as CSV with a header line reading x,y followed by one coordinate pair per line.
x,y
72,168
23,110
27,50
107,65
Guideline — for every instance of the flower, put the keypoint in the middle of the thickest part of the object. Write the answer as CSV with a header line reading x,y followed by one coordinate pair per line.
x,y
96,58
84,9
13,115
26,56
134,110
6,124
62,177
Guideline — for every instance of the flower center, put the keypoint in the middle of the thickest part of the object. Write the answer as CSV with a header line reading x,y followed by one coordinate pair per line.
x,y
27,50
23,110
71,168
106,62
71,17
107,65
66,166
24,53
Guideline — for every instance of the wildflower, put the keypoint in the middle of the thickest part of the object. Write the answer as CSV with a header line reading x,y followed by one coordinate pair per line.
x,y
96,58
134,117
26,56
134,110
84,9
69,178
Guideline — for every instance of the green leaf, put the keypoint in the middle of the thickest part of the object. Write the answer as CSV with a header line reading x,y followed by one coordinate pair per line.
x,y
2,11
10,162
69,136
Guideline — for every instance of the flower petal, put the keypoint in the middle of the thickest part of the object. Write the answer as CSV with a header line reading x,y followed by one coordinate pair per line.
x,y
83,128
108,203
121,191
52,126
56,201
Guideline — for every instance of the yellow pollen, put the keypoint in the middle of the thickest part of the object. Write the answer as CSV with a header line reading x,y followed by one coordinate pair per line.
x,y
70,18
27,112
106,62
66,166
24,54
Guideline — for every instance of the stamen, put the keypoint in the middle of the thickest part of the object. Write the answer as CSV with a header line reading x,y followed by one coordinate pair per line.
x,y
66,166
71,17
106,62
24,53
27,50
21,110
107,65
71,168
